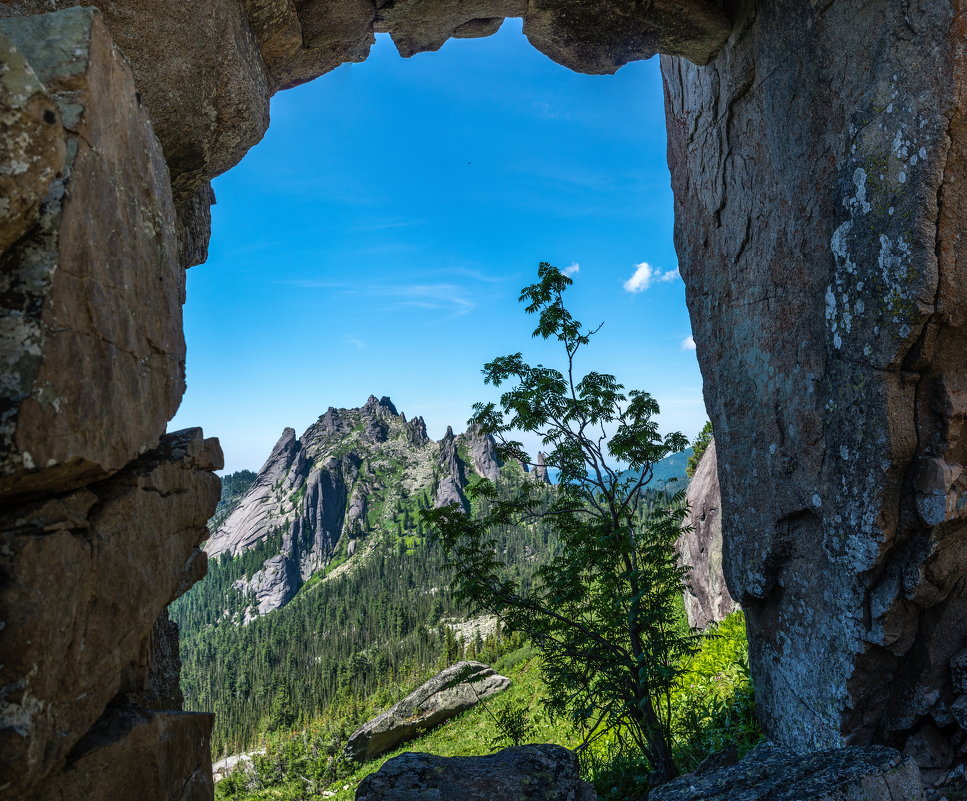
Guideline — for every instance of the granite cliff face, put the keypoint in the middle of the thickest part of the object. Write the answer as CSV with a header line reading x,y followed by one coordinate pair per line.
x,y
818,165
324,493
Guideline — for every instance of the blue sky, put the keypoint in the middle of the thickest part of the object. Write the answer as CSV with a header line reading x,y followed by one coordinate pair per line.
x,y
376,240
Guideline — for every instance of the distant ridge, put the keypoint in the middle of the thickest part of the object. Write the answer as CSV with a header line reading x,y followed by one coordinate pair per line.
x,y
669,473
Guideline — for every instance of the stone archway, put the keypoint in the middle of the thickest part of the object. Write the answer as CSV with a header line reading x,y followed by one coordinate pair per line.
x,y
816,153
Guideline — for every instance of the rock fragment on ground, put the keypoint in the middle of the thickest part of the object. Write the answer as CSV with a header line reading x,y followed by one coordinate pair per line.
x,y
449,693
524,773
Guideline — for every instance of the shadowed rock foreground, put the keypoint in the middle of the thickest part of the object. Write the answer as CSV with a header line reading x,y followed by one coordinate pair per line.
x,y
526,772
776,774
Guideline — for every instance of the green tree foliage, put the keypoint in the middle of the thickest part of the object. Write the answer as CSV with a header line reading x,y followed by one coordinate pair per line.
x,y
699,447
604,612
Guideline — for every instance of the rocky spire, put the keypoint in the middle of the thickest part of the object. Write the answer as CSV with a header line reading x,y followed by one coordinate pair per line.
x,y
483,452
540,470
452,479
416,431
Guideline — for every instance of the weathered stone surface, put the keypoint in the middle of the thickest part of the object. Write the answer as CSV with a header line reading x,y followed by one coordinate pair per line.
x,y
32,144
222,767
448,693
201,76
250,520
545,772
272,586
817,164
768,773
133,754
86,575
600,37
161,688
707,598
418,27
315,491
91,346
482,626
194,221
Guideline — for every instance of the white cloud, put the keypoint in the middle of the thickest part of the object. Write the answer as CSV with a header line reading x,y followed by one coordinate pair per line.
x,y
356,343
572,269
688,343
645,276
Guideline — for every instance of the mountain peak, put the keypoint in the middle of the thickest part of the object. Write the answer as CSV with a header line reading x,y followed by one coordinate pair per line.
x,y
374,405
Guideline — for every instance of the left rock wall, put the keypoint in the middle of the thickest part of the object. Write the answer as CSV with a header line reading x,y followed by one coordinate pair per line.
x,y
101,512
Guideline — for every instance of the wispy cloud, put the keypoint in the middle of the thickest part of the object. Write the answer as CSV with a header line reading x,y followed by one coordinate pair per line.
x,y
688,343
476,275
442,296
432,296
572,269
645,276
356,343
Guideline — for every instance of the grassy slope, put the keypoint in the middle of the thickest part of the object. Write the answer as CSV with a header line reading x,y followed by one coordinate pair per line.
x,y
714,701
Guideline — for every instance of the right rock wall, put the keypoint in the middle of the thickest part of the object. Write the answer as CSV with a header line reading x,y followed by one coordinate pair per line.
x,y
817,165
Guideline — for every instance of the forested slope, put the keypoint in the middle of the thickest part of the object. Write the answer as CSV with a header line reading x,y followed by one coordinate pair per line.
x,y
372,613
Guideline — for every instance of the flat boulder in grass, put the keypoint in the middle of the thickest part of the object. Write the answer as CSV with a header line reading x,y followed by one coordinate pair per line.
x,y
768,773
524,773
448,693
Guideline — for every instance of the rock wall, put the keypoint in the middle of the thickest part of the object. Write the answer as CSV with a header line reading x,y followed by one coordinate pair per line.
x,y
101,512
818,167
707,598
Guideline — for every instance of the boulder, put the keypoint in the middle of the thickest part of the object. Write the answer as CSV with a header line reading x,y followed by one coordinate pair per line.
x,y
448,693
768,773
91,344
707,598
524,773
